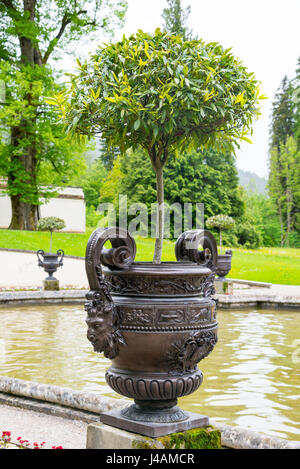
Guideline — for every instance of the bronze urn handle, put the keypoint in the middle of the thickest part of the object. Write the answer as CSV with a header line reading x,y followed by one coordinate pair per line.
x,y
186,247
102,318
186,250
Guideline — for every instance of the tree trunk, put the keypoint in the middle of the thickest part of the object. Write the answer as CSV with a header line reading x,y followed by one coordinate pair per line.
x,y
24,216
281,227
24,213
160,214
289,205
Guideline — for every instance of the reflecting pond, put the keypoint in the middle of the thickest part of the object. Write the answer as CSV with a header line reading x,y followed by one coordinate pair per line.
x,y
251,379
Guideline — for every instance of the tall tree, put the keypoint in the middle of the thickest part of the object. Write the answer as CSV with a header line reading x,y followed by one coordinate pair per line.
x,y
296,103
282,122
32,32
284,186
284,179
107,155
175,19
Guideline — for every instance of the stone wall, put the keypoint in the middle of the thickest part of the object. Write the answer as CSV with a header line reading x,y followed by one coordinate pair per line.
x,y
68,204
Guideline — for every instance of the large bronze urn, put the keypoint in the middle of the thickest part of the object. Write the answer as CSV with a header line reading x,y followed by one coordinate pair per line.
x,y
155,322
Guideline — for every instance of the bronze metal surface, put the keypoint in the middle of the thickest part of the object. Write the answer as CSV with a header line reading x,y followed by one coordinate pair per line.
x,y
224,264
155,322
115,418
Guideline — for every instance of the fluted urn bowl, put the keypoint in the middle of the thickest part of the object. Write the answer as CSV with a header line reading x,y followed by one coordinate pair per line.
x,y
155,322
50,261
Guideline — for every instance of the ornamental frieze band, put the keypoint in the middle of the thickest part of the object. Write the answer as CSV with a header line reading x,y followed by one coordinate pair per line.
x,y
159,316
138,286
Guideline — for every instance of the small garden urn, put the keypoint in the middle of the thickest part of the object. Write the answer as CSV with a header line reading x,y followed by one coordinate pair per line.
x,y
221,223
50,261
155,322
224,264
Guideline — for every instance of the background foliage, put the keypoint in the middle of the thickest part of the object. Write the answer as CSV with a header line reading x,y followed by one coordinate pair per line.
x,y
35,150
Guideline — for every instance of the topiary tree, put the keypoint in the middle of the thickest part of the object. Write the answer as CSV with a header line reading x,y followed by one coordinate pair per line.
x,y
221,222
165,95
50,224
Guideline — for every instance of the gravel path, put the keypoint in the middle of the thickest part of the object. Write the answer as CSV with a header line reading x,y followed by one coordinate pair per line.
x,y
35,426
22,271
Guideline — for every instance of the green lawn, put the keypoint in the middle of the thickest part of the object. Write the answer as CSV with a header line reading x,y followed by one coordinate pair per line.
x,y
274,265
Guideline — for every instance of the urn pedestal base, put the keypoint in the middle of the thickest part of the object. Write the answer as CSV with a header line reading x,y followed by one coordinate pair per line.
x,y
223,286
116,418
50,284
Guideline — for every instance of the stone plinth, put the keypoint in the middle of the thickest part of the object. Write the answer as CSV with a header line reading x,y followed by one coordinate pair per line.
x,y
152,428
223,286
51,284
101,436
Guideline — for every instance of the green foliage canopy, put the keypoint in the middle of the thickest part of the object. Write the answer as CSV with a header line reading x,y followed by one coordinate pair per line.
x,y
163,94
221,221
284,163
29,126
50,224
44,25
158,91
35,148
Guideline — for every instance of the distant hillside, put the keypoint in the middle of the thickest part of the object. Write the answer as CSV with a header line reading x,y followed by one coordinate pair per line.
x,y
252,182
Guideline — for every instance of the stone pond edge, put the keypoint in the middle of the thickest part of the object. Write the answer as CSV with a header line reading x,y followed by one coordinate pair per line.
x,y
78,296
87,406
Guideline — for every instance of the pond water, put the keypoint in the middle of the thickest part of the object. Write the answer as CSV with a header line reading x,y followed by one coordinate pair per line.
x,y
251,379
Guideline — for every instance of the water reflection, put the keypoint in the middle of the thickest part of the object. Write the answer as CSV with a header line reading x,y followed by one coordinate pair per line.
x,y
249,380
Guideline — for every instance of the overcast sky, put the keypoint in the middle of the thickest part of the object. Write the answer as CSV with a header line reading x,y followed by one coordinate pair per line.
x,y
264,34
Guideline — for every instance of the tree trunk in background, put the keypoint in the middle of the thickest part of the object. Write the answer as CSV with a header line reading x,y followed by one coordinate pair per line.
x,y
25,213
281,227
24,216
289,205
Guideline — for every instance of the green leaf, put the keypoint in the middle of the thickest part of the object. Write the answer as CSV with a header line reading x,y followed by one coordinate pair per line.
x,y
246,140
137,124
51,101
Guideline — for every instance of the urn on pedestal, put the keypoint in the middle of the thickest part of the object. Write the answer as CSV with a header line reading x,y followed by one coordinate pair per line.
x,y
50,261
155,323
